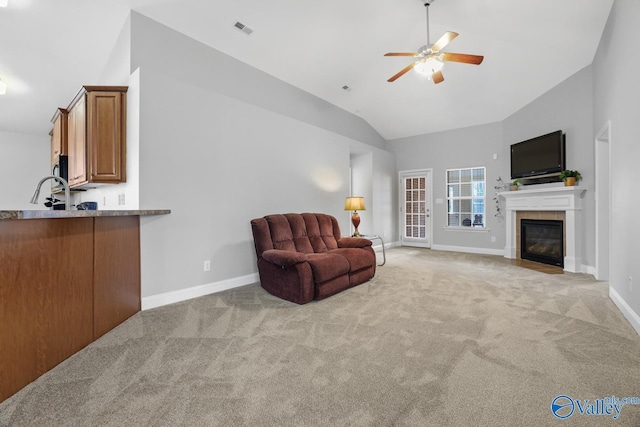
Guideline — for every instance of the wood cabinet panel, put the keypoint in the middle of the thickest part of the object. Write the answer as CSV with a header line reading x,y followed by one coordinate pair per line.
x,y
63,284
46,296
117,272
97,136
106,136
77,143
59,136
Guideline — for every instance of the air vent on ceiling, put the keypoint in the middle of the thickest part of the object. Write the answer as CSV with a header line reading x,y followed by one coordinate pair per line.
x,y
239,25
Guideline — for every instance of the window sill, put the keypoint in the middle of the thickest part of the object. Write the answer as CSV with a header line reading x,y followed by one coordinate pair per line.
x,y
472,229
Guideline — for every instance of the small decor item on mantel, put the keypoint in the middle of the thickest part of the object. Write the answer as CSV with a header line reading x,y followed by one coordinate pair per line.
x,y
515,184
570,177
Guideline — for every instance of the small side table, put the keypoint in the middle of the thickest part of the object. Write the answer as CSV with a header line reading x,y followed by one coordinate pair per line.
x,y
374,237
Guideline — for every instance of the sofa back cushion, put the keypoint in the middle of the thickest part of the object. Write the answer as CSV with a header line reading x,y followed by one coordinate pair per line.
x,y
307,233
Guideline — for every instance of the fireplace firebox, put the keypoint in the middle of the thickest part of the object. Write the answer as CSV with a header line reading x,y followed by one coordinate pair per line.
x,y
542,241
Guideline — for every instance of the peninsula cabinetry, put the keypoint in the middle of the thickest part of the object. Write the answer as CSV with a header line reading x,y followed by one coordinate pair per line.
x,y
64,283
97,136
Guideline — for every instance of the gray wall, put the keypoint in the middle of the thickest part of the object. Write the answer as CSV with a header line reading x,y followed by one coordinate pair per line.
x,y
567,107
362,185
186,59
460,148
220,145
617,90
25,160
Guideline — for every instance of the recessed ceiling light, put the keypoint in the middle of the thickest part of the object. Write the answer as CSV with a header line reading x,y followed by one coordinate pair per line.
x,y
4,3
3,87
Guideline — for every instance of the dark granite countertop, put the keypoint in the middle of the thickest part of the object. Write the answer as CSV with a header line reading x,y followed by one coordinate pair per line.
x,y
40,214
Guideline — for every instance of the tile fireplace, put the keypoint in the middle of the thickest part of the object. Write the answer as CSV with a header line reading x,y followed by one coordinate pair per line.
x,y
555,203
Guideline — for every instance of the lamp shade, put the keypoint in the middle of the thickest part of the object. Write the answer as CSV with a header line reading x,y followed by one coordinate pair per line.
x,y
355,203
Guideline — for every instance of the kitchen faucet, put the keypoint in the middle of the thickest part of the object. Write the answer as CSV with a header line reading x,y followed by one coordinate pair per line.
x,y
65,184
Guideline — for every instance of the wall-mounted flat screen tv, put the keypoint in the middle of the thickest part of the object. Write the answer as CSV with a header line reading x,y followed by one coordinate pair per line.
x,y
542,155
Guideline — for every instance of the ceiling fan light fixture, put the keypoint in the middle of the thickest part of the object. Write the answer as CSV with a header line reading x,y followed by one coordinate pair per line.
x,y
428,66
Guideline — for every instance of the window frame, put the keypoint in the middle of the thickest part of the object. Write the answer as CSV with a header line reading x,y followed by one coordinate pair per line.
x,y
451,199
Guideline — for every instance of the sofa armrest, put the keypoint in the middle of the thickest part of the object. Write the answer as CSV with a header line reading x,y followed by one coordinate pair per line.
x,y
283,258
353,242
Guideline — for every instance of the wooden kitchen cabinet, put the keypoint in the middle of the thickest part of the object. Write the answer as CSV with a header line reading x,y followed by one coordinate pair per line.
x,y
77,143
59,136
97,136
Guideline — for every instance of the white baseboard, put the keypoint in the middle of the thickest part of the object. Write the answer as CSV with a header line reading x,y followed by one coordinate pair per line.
x,y
159,300
589,269
386,245
468,250
626,310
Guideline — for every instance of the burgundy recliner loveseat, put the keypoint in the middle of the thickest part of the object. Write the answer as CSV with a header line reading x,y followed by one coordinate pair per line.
x,y
302,257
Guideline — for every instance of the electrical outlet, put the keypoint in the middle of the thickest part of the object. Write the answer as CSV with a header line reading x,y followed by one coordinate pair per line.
x,y
493,239
121,199
207,265
630,282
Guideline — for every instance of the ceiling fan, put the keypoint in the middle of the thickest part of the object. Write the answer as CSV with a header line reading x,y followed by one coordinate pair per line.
x,y
430,59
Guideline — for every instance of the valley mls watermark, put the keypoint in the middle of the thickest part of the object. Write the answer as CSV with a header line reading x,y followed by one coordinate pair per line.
x,y
564,406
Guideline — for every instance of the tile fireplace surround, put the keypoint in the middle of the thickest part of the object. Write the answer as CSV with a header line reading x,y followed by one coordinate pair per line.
x,y
557,202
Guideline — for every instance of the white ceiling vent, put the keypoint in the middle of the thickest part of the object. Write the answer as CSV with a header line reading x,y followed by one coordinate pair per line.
x,y
239,25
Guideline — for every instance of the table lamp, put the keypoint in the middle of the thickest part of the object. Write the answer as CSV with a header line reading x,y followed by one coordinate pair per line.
x,y
355,204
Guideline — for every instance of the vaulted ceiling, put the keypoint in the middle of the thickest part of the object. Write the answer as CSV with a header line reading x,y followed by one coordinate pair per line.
x,y
50,48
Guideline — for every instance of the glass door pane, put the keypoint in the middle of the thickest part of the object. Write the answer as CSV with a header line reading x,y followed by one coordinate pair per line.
x,y
415,209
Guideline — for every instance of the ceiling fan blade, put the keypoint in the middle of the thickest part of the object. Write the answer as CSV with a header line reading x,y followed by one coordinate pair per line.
x,y
462,57
437,77
400,54
401,73
443,41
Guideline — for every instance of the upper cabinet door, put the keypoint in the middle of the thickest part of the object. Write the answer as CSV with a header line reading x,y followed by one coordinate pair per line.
x,y
77,143
59,136
97,136
106,115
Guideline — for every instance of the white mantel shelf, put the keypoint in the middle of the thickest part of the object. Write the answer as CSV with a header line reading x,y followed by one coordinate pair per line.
x,y
559,199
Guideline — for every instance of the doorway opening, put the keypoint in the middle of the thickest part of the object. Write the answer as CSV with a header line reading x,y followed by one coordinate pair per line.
x,y
603,201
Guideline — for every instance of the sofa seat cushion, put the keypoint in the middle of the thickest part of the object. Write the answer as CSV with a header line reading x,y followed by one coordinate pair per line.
x,y
327,266
357,258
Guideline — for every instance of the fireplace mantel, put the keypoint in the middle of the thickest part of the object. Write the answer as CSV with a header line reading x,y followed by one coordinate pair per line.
x,y
561,199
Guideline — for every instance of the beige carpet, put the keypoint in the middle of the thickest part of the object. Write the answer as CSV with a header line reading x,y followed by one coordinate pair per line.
x,y
435,339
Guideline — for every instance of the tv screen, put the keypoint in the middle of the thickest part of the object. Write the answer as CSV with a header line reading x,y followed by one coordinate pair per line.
x,y
538,156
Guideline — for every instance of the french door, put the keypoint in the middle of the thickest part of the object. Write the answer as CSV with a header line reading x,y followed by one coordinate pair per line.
x,y
415,208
